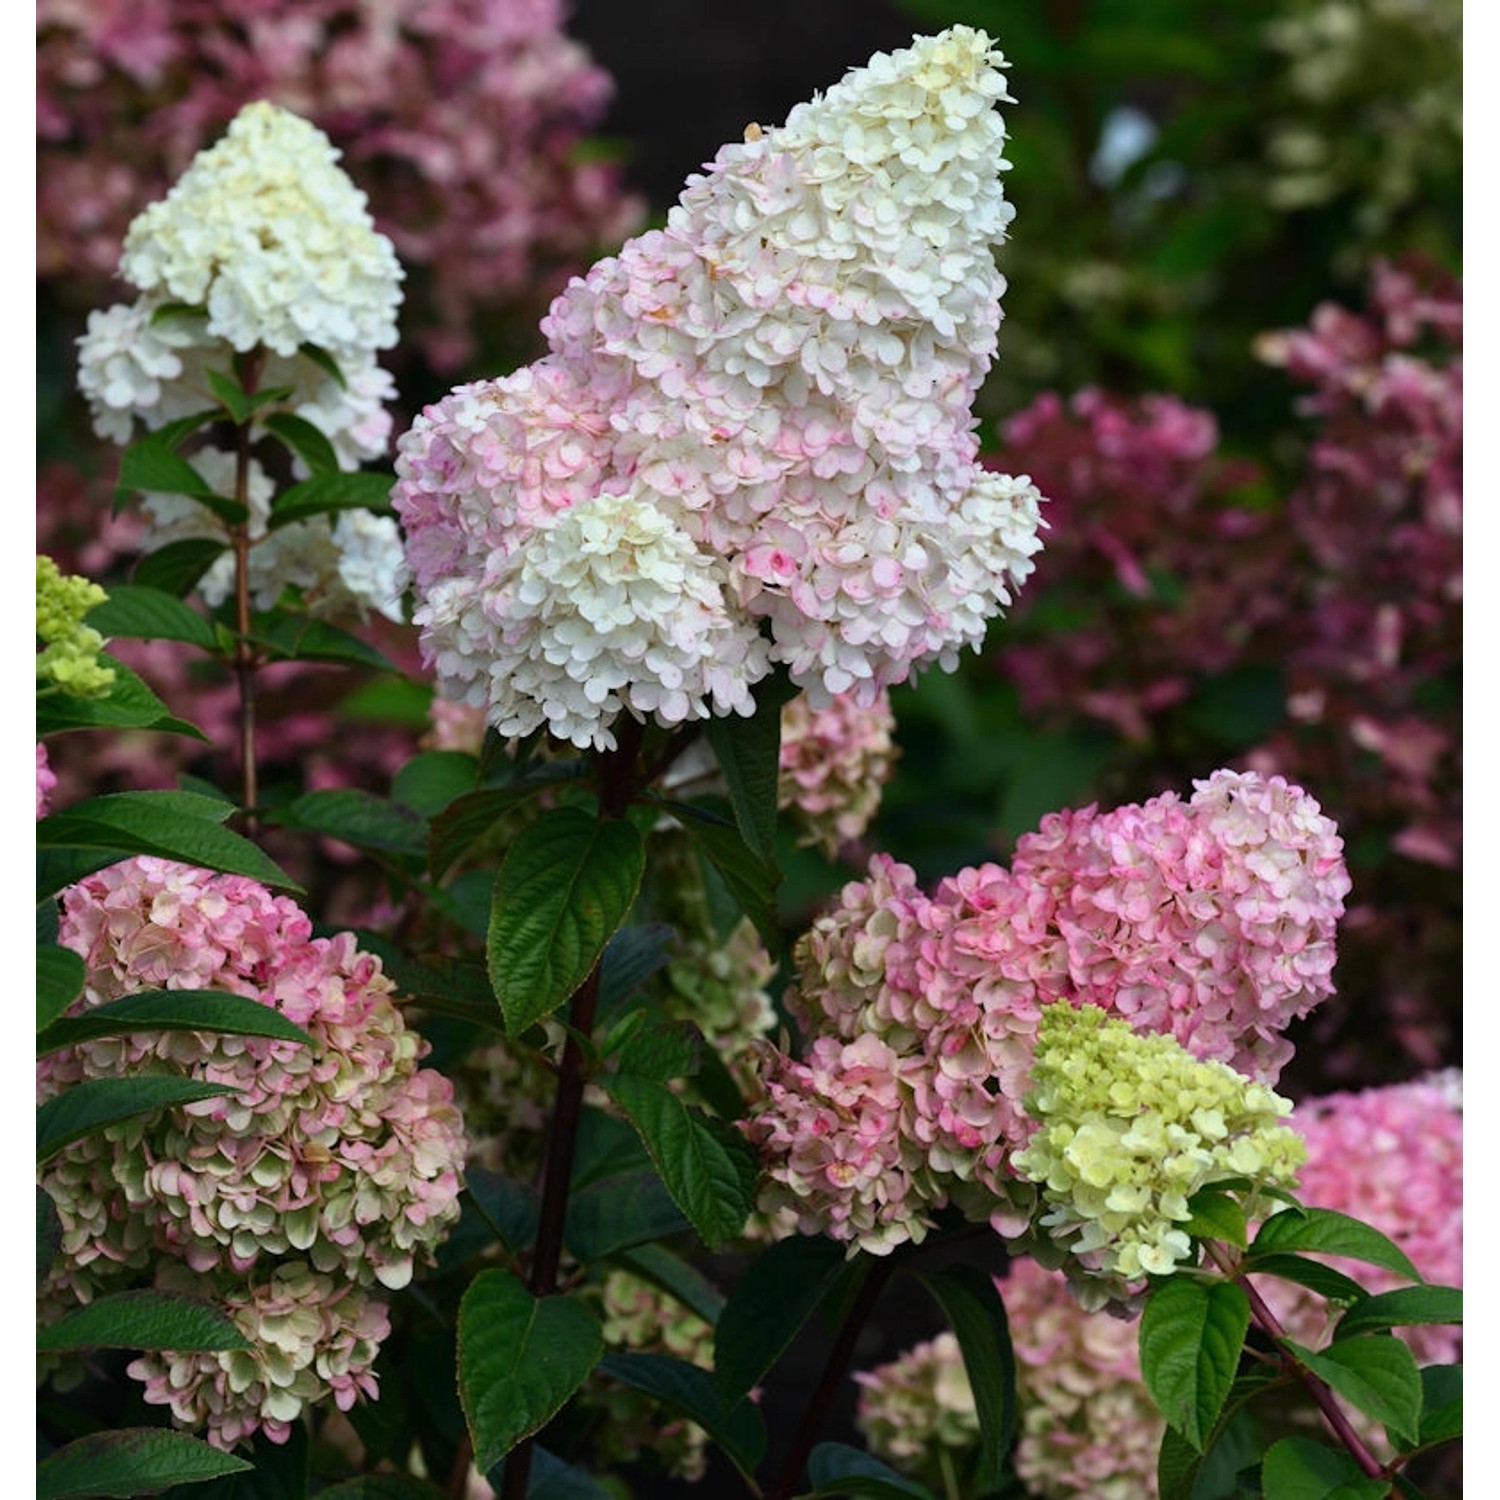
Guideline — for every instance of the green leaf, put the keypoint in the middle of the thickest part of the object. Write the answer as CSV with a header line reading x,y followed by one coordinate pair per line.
x,y
149,614
552,1479
630,958
152,465
690,1392
618,1213
59,982
325,362
1402,1308
49,1233
1376,1373
324,493
1300,1469
430,781
566,884
749,879
519,1359
1217,1216
177,567
1331,1285
836,1469
172,1010
676,1277
144,1320
1191,1336
298,637
976,1314
241,404
1179,1464
97,1102
171,310
661,1053
748,752
129,704
357,817
279,1471
1329,1233
130,1461
468,819
708,1167
769,1304
512,1209
383,1487
170,825
305,440
1442,1404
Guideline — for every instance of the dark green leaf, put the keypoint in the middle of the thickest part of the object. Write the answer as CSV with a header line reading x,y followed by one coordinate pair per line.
x,y
241,404
357,817
324,493
1333,1286
1217,1216
566,884
129,704
279,1472
519,1359
97,1102
1191,1336
661,1053
383,1487
326,363
691,1393
511,1209
177,567
130,1461
305,440
552,1479
750,880
708,1167
769,1304
1401,1308
430,781
153,466
169,311
676,1277
1179,1464
48,1233
59,982
1300,1469
618,1213
748,752
298,637
1442,1404
144,1320
1329,1233
976,1314
468,819
835,1470
1376,1373
631,957
172,1010
150,614
170,825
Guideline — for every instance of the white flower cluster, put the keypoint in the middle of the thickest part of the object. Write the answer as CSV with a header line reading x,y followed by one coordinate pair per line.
x,y
784,373
264,244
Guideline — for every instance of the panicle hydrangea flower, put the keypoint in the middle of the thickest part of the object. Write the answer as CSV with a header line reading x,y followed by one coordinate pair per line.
x,y
67,660
834,763
312,1336
1210,922
338,1160
786,371
46,781
1130,1126
1391,1156
268,234
919,1406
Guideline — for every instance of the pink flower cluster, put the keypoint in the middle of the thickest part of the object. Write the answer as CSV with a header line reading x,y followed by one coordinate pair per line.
x,y
1210,920
46,780
757,415
835,762
342,1157
1393,1157
463,116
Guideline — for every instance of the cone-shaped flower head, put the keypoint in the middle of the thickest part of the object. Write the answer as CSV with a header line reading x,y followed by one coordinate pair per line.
x,y
785,373
67,659
1131,1127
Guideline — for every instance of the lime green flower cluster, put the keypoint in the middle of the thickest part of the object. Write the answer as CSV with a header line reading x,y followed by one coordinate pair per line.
x,y
1130,1127
68,656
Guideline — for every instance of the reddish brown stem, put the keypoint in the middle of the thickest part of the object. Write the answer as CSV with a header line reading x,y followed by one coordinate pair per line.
x,y
1317,1388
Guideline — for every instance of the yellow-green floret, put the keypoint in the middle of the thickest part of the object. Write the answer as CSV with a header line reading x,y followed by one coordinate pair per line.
x,y
68,651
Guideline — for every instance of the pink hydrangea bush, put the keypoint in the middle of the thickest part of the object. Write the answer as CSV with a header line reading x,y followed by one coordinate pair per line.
x,y
46,780
835,762
339,1162
758,416
1210,921
462,116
